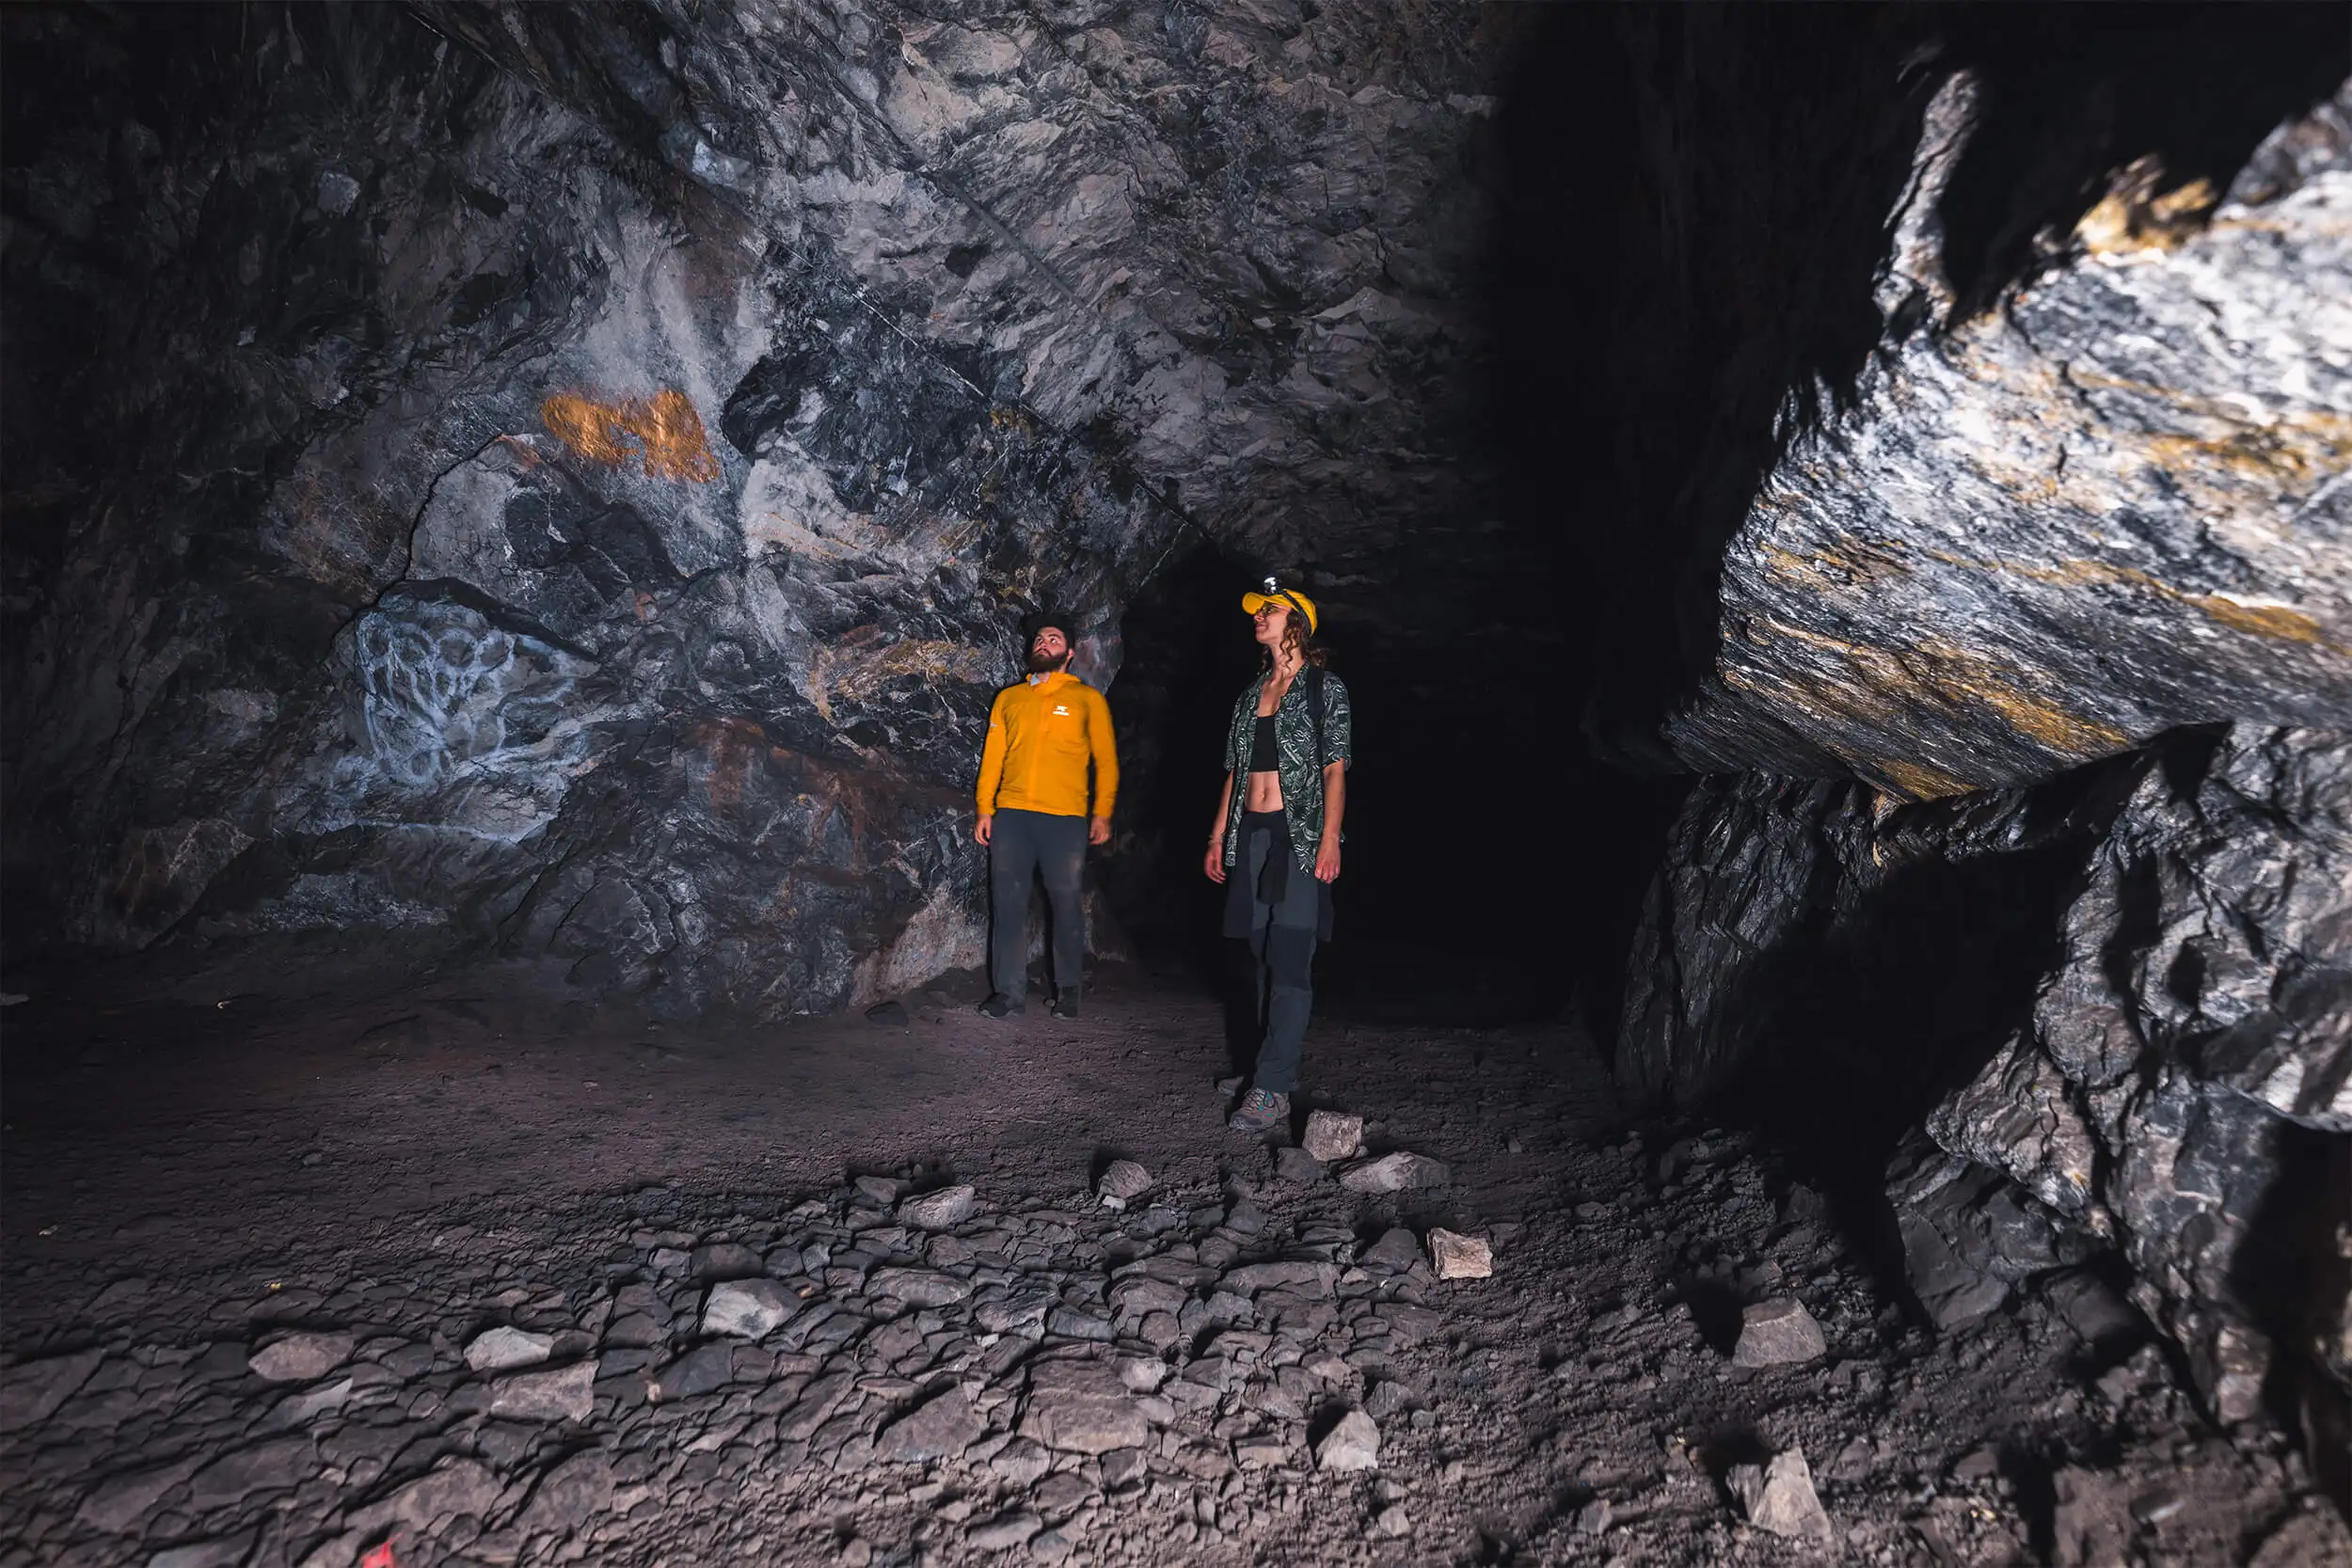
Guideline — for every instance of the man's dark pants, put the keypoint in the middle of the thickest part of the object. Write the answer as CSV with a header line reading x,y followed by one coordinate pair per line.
x,y
1022,844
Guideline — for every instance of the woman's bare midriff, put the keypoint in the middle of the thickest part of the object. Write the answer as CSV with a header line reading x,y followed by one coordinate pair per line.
x,y
1264,791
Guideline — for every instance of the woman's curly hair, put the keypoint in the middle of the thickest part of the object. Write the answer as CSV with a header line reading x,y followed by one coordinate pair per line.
x,y
1295,635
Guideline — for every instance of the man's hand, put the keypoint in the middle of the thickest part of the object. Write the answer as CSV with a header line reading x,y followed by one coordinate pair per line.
x,y
1328,860
1214,864
1099,831
988,825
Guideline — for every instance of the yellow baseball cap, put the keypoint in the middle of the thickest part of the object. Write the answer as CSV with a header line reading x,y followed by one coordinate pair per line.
x,y
1276,594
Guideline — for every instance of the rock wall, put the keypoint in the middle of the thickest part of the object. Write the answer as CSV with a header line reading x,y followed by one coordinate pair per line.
x,y
2185,1088
2036,893
572,474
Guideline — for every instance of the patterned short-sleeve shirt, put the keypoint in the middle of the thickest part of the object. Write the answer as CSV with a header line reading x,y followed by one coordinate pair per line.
x,y
1301,769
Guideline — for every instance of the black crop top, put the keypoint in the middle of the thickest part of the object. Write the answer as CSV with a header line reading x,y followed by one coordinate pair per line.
x,y
1264,755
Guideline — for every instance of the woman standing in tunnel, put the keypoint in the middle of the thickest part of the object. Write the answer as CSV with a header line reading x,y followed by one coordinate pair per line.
x,y
1289,746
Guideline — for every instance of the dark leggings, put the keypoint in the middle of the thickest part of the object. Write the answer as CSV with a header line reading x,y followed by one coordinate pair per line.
x,y
1020,845
1282,940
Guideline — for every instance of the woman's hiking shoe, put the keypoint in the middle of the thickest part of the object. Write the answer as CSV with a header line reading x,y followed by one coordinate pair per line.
x,y
1228,1087
1260,1112
997,1005
1066,1004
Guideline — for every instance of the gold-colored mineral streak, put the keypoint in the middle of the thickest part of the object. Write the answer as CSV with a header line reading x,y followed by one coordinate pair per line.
x,y
666,430
2264,620
2283,622
1874,686
2135,216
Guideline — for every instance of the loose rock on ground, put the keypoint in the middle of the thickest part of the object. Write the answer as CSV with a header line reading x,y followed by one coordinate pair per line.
x,y
931,1364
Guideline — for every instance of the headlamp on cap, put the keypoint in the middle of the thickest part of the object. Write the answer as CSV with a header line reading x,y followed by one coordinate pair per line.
x,y
1274,593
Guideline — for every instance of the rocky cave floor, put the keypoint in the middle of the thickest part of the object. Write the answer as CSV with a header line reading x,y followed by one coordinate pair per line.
x,y
261,1228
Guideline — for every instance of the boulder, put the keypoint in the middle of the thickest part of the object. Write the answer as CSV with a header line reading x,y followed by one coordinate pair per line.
x,y
1397,1250
1122,1182
505,1349
943,1210
749,1309
1393,1173
1460,1256
1297,1164
1777,1333
940,1427
557,1394
1778,1497
1332,1135
1081,1407
1352,1444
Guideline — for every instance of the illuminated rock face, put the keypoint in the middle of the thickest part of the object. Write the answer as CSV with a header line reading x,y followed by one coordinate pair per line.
x,y
2030,821
2116,504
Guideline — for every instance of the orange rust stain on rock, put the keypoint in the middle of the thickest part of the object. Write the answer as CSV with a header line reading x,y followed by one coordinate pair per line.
x,y
676,445
732,746
588,429
666,432
522,451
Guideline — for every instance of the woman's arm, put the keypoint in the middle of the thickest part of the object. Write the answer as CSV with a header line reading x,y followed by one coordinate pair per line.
x,y
1214,864
1334,813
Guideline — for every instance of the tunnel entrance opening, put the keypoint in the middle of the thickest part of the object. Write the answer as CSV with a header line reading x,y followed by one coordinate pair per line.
x,y
1492,867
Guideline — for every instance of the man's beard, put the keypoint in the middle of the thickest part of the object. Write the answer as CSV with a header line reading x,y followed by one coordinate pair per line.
x,y
1045,664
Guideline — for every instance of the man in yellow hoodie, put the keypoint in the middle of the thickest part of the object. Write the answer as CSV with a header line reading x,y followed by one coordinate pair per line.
x,y
1041,735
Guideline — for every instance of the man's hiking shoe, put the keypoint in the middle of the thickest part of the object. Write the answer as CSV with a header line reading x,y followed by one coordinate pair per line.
x,y
997,1006
1260,1112
1066,1004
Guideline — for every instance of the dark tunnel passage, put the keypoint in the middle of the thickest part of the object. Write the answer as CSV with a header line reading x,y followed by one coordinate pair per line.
x,y
1837,1037
1469,894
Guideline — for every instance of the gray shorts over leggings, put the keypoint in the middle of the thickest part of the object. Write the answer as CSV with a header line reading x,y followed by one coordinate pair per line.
x,y
1282,936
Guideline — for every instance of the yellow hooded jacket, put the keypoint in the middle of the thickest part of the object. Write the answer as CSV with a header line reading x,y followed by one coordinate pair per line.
x,y
1041,736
